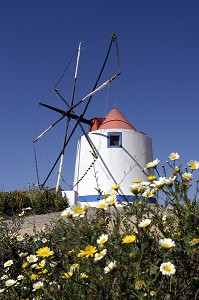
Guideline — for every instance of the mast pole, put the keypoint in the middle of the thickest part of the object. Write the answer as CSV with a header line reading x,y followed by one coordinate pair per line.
x,y
71,105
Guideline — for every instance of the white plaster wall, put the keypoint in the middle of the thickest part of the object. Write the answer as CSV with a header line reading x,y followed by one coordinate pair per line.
x,y
114,165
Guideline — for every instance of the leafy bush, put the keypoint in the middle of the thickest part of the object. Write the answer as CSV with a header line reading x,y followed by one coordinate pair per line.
x,y
134,250
40,202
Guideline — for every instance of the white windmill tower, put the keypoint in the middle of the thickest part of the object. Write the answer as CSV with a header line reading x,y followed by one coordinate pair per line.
x,y
121,153
112,152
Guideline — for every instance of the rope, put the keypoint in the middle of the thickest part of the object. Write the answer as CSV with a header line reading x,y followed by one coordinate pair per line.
x,y
91,165
117,51
98,44
66,69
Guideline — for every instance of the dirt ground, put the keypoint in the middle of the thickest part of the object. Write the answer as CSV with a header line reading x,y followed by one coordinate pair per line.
x,y
34,223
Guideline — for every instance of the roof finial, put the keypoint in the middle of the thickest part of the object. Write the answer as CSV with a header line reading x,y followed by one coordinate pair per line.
x,y
114,105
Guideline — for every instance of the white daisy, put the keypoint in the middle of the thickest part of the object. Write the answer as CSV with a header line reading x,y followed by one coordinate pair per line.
x,y
166,243
187,176
8,263
37,285
102,239
144,223
193,164
32,258
174,156
102,204
111,266
152,164
10,282
68,213
100,255
167,269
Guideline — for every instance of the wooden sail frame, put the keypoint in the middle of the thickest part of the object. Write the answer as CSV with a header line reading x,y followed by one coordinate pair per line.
x,y
70,113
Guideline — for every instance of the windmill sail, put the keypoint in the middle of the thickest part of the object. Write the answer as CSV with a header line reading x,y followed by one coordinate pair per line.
x,y
70,113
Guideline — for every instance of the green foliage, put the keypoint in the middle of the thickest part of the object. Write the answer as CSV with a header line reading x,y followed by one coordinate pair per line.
x,y
134,250
40,202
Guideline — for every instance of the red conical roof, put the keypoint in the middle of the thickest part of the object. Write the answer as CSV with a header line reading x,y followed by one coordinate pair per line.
x,y
114,119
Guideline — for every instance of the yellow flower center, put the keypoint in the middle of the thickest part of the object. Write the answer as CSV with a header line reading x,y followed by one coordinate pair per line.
x,y
100,254
111,200
167,269
78,210
102,241
166,245
102,205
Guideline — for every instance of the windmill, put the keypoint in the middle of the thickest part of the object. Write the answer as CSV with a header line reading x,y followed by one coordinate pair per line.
x,y
69,114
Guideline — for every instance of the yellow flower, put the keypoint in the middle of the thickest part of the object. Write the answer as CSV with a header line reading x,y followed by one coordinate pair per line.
x,y
40,265
44,252
74,267
43,271
139,284
67,275
89,251
71,251
194,241
25,264
115,187
151,178
129,239
152,293
137,180
33,276
83,275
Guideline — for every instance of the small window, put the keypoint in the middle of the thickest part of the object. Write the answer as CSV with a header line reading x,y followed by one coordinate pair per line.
x,y
114,139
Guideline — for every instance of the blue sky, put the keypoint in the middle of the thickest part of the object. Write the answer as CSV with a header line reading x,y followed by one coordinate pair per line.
x,y
158,89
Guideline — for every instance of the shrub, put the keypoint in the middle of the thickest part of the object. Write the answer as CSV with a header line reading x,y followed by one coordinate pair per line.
x,y
40,202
